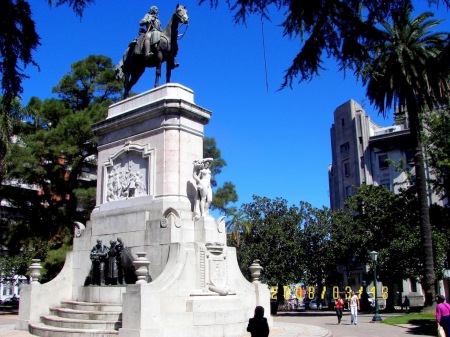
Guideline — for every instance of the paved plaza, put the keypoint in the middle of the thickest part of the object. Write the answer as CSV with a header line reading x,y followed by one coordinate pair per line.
x,y
298,324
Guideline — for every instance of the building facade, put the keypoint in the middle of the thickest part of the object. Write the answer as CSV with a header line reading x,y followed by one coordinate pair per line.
x,y
366,153
362,153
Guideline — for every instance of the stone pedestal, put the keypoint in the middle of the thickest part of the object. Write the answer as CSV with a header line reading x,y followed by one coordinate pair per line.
x,y
146,195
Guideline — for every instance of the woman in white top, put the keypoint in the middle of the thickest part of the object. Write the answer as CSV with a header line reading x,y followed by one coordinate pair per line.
x,y
354,307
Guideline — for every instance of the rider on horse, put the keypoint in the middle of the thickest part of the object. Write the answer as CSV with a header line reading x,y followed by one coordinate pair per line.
x,y
152,36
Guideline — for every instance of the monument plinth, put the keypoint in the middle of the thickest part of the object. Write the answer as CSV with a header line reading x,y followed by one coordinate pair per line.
x,y
153,192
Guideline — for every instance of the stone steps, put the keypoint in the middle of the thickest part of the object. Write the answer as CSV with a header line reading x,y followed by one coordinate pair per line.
x,y
80,319
87,314
92,306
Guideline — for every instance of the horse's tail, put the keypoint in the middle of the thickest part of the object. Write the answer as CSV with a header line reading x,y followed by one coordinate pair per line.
x,y
119,71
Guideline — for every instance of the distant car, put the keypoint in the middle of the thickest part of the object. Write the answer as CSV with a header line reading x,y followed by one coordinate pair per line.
x,y
313,305
306,302
11,301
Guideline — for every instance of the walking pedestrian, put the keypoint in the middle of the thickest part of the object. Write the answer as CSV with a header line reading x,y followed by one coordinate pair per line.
x,y
353,306
443,314
406,304
339,308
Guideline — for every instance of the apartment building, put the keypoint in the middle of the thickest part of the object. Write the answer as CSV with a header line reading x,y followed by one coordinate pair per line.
x,y
362,153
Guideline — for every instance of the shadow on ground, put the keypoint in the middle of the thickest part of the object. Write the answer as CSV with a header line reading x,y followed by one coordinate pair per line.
x,y
422,327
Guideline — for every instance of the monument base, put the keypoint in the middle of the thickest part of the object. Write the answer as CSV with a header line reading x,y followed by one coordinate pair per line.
x,y
147,196
192,298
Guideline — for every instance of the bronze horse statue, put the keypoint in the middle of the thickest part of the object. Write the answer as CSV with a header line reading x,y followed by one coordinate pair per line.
x,y
133,64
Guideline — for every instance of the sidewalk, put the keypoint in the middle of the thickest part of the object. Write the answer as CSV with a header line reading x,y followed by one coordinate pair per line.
x,y
365,328
298,324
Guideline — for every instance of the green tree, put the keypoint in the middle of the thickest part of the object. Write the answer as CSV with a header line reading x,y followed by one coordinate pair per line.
x,y
377,219
17,265
318,256
402,72
11,115
323,29
19,40
437,125
55,148
388,224
238,228
274,240
225,194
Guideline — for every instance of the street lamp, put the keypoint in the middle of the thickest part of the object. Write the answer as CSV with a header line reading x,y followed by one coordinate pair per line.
x,y
374,256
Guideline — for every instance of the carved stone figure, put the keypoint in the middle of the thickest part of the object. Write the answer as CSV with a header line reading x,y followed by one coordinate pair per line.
x,y
124,182
112,271
99,254
202,175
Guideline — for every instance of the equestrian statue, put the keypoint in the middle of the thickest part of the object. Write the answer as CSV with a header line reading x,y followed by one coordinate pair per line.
x,y
151,48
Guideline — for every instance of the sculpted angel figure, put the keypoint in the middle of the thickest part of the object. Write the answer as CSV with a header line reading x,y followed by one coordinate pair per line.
x,y
202,175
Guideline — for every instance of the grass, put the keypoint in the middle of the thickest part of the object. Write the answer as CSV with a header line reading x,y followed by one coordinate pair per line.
x,y
420,323
414,319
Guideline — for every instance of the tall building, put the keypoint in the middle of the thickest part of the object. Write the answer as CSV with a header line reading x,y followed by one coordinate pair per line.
x,y
362,153
366,153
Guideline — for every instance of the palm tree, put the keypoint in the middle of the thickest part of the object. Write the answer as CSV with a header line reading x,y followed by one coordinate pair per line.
x,y
403,72
238,228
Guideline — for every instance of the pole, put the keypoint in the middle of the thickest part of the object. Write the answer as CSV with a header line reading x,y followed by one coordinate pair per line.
x,y
376,317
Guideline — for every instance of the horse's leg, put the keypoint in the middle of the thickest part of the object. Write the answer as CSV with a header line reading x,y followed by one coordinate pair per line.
x,y
169,67
157,74
126,86
133,78
159,63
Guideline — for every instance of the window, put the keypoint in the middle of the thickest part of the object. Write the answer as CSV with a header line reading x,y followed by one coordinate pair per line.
x,y
348,191
8,289
346,169
343,121
345,147
409,157
382,161
386,183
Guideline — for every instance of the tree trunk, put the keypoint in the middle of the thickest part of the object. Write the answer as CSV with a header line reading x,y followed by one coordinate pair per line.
x,y
280,295
428,280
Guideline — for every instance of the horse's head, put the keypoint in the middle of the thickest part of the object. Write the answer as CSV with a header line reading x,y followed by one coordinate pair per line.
x,y
181,13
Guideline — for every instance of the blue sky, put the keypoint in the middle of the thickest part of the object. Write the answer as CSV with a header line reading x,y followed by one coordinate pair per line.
x,y
276,143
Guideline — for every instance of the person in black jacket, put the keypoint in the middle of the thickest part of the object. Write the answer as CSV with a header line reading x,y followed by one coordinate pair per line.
x,y
258,326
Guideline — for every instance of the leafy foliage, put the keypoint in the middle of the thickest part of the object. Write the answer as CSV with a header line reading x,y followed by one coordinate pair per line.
x,y
19,40
225,194
55,147
273,239
323,29
406,68
10,125
377,219
316,245
309,245
17,265
77,5
437,124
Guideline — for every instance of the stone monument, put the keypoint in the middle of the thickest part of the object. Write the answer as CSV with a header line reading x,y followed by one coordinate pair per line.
x,y
153,191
